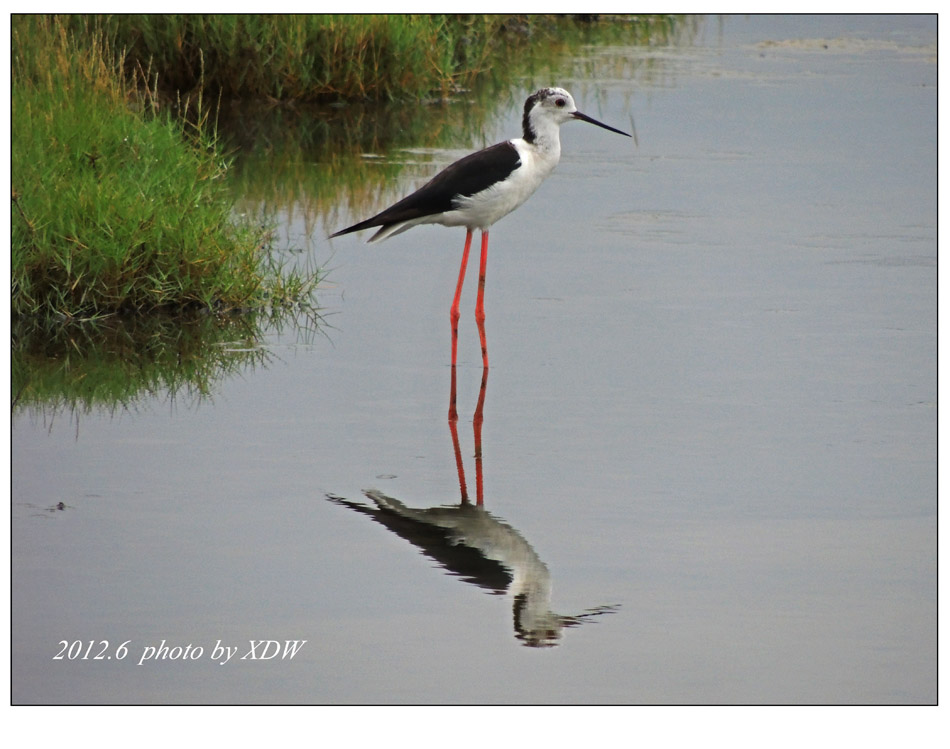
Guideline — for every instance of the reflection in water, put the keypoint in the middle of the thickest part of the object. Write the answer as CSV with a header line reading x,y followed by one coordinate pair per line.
x,y
116,364
480,548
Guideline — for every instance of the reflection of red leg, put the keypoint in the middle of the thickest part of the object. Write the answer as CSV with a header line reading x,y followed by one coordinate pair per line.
x,y
453,428
454,312
477,428
480,302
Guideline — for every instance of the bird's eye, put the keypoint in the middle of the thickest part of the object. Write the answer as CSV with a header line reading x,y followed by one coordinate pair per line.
x,y
560,102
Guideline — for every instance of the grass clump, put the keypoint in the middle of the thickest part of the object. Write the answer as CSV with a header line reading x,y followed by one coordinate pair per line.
x,y
311,57
116,208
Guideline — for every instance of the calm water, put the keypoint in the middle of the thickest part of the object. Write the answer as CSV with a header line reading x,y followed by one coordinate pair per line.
x,y
708,437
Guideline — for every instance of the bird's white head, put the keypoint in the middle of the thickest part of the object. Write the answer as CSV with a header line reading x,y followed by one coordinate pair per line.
x,y
547,109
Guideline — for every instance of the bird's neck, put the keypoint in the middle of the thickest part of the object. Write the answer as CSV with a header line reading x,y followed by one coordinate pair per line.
x,y
545,140
542,134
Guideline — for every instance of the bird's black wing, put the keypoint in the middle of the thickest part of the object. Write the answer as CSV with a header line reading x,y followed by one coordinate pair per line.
x,y
467,176
439,544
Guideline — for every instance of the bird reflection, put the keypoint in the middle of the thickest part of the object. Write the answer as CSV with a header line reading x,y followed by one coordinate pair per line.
x,y
478,547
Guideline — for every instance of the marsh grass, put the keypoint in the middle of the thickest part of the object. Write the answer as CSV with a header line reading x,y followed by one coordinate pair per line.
x,y
118,208
311,57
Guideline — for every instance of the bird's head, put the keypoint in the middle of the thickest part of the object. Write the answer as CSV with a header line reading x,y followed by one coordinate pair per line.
x,y
549,107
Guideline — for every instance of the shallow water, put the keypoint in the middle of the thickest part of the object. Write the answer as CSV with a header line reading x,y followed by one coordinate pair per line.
x,y
710,421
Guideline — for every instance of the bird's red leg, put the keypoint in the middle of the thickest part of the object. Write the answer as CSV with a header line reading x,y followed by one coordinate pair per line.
x,y
480,301
477,429
453,428
454,312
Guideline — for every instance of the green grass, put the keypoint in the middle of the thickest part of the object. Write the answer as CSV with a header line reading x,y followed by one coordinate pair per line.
x,y
310,57
118,208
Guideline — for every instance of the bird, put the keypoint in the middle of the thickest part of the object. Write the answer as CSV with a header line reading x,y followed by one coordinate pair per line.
x,y
479,189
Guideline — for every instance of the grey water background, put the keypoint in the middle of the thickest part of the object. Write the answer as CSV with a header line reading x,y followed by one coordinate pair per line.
x,y
712,404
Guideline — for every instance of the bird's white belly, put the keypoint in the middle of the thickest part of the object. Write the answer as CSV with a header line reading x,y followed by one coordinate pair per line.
x,y
481,210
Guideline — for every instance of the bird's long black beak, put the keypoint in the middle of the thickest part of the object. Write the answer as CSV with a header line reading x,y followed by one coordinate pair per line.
x,y
592,121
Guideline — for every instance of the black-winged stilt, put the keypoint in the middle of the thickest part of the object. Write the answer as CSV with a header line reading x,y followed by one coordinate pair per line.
x,y
478,190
